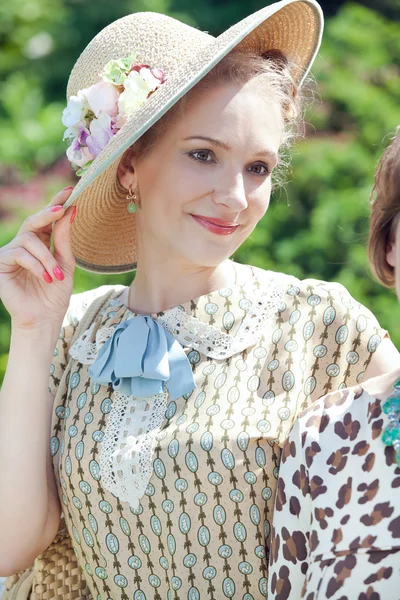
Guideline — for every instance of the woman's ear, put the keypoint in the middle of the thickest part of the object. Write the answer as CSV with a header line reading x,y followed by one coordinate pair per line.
x,y
126,172
391,253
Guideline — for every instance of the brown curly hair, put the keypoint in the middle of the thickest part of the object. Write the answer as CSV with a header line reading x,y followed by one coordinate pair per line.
x,y
385,211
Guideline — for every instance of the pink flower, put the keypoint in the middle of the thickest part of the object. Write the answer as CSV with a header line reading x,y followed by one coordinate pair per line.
x,y
138,67
159,74
103,96
101,131
78,154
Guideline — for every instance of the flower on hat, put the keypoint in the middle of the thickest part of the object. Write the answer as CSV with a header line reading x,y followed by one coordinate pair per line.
x,y
95,114
78,152
75,110
137,87
103,96
102,130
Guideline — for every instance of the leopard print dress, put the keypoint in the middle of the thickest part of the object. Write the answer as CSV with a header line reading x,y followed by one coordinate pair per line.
x,y
336,529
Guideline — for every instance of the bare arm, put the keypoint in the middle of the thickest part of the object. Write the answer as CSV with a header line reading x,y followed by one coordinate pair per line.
x,y
30,508
35,288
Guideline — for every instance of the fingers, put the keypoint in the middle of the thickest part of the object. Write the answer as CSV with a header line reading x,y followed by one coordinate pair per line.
x,y
21,257
38,251
61,196
62,241
53,212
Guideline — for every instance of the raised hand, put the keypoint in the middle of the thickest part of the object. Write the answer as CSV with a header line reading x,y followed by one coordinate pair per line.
x,y
35,284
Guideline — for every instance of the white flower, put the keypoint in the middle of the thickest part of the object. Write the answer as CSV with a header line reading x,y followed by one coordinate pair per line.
x,y
75,110
148,76
136,91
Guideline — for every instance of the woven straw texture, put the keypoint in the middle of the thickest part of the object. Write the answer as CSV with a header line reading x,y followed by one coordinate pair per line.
x,y
55,575
103,232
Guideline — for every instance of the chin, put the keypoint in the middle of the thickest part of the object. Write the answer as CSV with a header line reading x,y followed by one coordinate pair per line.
x,y
202,251
206,258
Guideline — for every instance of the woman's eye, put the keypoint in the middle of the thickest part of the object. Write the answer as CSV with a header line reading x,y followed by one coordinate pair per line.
x,y
201,155
260,169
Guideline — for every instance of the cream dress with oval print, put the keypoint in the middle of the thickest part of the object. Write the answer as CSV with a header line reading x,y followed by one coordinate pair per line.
x,y
173,499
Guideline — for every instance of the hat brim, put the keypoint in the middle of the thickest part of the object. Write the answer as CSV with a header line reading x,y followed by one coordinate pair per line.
x,y
103,234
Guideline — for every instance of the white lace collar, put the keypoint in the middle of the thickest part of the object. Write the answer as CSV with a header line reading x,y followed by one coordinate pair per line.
x,y
250,312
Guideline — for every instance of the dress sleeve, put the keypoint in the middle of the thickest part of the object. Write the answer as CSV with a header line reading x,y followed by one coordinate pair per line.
x,y
335,337
77,307
290,546
349,334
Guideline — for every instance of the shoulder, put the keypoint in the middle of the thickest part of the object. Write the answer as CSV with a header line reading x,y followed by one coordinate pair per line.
x,y
78,304
313,291
331,406
318,291
265,279
342,414
325,303
339,425
80,301
333,310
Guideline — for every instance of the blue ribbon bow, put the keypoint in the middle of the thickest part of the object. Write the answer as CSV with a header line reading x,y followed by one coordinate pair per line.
x,y
141,355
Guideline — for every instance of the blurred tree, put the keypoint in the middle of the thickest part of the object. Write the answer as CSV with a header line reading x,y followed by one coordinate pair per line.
x,y
29,119
217,15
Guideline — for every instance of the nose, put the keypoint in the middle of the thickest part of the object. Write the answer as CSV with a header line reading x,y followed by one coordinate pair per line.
x,y
231,192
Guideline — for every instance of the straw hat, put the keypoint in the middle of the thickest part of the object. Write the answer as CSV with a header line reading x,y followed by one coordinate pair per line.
x,y
103,232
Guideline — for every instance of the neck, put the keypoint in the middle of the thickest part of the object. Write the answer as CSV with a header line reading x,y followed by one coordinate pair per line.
x,y
159,288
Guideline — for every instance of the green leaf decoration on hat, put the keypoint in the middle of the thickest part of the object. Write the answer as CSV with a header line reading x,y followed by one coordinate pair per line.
x,y
116,71
85,167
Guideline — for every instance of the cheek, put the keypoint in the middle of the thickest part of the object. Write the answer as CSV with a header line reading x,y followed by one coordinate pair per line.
x,y
259,201
169,188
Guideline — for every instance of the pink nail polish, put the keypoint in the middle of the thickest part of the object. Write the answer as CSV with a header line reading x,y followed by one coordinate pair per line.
x,y
56,208
58,273
73,214
47,277
70,187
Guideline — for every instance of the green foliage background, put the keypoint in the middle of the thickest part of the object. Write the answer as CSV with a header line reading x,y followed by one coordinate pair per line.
x,y
317,224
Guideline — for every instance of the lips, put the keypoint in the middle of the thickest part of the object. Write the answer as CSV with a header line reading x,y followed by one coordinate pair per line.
x,y
219,222
217,226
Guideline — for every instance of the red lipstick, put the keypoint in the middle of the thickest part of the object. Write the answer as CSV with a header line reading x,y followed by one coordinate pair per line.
x,y
217,226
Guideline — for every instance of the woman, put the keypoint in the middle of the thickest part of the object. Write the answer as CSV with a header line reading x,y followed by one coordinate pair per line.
x,y
165,396
336,524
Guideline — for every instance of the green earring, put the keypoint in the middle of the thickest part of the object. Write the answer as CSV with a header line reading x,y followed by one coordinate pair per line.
x,y
132,207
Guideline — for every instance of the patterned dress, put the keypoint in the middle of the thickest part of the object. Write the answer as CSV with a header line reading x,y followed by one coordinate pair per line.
x,y
172,499
336,528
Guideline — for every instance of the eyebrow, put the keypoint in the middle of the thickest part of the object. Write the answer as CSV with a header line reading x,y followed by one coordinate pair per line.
x,y
265,152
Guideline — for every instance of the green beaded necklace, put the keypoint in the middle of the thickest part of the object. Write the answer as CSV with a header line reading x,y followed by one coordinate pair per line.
x,y
391,433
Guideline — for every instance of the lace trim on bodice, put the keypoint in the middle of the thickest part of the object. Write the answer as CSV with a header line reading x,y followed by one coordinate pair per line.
x,y
126,458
